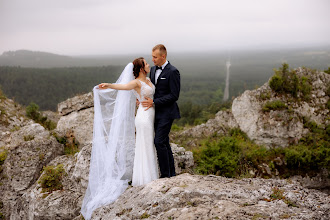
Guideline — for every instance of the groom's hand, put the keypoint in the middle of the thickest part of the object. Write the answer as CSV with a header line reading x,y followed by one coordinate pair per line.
x,y
148,103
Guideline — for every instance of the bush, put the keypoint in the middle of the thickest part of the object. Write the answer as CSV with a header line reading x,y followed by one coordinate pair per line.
x,y
51,180
276,83
235,155
220,157
327,71
71,145
32,111
3,156
285,81
274,105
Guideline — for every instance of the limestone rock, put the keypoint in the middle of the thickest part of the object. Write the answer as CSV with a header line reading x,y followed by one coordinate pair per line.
x,y
80,122
76,103
281,127
26,160
23,166
60,204
81,169
183,160
211,197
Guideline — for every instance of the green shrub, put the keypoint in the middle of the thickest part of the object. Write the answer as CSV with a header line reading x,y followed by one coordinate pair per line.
x,y
327,71
3,156
51,180
71,145
285,81
274,105
265,95
220,157
276,83
234,155
144,215
32,111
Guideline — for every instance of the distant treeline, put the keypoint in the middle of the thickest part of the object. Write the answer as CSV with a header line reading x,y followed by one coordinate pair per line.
x,y
200,97
48,87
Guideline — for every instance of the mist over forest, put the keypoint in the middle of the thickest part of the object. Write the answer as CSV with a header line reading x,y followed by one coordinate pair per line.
x,y
47,79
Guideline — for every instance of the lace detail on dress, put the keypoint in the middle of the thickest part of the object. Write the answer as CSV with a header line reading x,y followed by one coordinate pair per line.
x,y
146,91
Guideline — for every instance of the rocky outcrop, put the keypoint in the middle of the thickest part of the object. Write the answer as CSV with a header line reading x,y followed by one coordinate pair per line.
x,y
76,103
60,204
212,197
29,150
281,127
276,127
183,160
80,122
29,147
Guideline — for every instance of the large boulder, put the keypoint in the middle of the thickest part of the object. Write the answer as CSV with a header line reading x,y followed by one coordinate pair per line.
x,y
80,122
28,151
281,127
59,204
212,197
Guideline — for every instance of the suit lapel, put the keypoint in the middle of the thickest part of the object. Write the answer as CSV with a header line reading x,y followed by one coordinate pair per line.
x,y
152,75
164,71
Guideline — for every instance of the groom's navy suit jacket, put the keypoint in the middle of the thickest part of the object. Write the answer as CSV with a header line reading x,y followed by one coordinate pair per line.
x,y
167,92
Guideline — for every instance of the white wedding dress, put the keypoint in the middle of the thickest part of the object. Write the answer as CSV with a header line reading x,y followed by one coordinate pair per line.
x,y
116,150
145,161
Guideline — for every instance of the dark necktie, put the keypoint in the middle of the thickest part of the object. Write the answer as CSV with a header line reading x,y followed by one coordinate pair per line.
x,y
158,68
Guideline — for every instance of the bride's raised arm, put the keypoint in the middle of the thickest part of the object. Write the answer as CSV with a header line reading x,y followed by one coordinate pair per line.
x,y
129,86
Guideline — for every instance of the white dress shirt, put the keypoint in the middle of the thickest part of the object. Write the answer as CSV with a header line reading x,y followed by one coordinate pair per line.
x,y
159,71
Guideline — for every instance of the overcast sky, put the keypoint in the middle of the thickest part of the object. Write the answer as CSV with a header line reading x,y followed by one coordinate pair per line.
x,y
86,27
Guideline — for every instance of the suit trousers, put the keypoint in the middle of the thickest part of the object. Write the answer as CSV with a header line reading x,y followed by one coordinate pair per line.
x,y
162,144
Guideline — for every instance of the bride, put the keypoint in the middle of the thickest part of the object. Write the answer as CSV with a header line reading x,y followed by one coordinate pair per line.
x,y
117,156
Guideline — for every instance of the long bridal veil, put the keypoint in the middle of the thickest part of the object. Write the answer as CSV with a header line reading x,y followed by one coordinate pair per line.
x,y
112,158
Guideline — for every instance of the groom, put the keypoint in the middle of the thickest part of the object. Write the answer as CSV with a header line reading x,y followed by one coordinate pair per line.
x,y
166,78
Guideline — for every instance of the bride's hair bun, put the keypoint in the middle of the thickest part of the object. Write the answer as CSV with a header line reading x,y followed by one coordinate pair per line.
x,y
138,64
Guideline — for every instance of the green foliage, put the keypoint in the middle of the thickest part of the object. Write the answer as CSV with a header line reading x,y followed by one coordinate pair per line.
x,y
28,138
277,194
49,86
2,96
328,91
234,154
274,105
327,71
220,157
265,96
285,81
144,215
3,156
71,145
193,114
32,111
276,83
51,180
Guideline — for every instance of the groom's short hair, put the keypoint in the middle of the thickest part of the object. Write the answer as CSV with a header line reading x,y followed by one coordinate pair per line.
x,y
161,48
